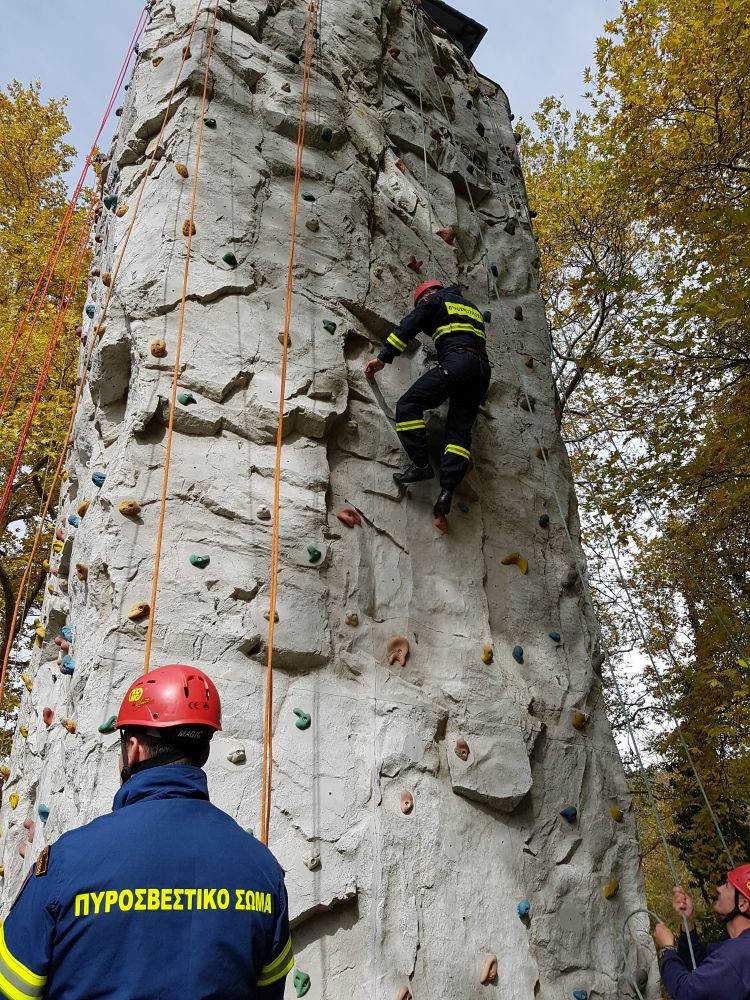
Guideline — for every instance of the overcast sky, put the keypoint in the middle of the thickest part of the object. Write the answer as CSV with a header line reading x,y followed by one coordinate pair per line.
x,y
75,47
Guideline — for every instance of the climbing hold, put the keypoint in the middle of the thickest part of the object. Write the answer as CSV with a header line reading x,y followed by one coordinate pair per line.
x,y
461,748
109,725
489,970
407,803
394,52
597,662
82,572
303,719
400,165
326,134
188,228
67,633
13,800
229,258
349,517
611,889
541,452
554,636
306,196
130,508
578,721
487,316
352,618
518,654
4,772
83,507
69,726
494,270
518,312
97,478
528,403
293,58
39,634
139,610
110,201
286,87
480,129
464,508
301,982
27,681
523,909
404,994
74,520
313,554
186,398
329,326
59,534
398,651
209,122
487,655
158,348
447,235
68,665
580,995
569,814
436,134
441,523
186,53
100,330
510,227
400,106
528,361
106,279
237,756
516,559
121,210
616,813
48,717
200,561
181,169
263,514
569,578
99,238
313,225
267,615
312,861
90,311
414,265
440,72
43,812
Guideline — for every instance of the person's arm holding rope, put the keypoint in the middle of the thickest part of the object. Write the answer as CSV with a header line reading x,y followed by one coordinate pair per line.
x,y
683,904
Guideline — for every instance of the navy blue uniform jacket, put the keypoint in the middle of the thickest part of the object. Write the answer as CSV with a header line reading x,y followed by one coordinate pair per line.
x,y
166,898
450,319
723,971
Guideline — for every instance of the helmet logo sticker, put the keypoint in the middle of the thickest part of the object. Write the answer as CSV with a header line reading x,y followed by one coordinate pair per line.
x,y
136,694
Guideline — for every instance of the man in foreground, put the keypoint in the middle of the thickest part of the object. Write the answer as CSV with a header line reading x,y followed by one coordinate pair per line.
x,y
166,897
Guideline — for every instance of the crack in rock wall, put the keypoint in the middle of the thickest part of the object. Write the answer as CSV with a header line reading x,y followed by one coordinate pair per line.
x,y
422,805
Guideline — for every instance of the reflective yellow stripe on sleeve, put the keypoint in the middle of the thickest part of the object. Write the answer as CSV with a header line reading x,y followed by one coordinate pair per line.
x,y
16,980
280,967
456,449
410,425
394,341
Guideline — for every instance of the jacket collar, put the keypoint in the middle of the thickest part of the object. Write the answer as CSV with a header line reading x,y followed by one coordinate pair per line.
x,y
171,781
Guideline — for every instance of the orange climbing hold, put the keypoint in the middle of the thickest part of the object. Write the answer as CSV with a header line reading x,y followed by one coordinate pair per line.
x,y
398,651
83,507
181,169
349,517
69,725
407,803
489,970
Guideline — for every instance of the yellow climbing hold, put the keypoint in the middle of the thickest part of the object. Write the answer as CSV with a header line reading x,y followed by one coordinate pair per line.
x,y
24,731
27,681
139,610
131,508
487,654
39,634
13,800
616,813
121,210
578,721
57,545
516,559
4,772
181,169
611,889
83,507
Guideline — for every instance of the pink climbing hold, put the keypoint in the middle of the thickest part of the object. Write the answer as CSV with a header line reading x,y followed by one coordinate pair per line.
x,y
29,826
489,971
441,523
407,803
462,748
398,651
349,517
62,643
48,717
404,994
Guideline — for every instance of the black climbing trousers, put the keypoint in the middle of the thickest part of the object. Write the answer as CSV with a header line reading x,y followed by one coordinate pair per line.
x,y
463,377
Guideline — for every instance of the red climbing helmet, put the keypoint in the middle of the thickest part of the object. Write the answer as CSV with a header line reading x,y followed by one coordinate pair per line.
x,y
740,879
175,695
425,287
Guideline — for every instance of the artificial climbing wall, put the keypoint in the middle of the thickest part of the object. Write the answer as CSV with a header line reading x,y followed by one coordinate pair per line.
x,y
465,801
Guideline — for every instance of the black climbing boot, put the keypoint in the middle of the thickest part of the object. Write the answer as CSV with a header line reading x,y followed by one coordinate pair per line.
x,y
413,474
443,504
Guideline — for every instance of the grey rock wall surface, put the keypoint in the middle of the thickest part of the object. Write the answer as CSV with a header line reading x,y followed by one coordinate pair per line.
x,y
398,901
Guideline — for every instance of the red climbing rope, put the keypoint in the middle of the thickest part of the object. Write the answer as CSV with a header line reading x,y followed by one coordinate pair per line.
x,y
49,268
176,370
265,819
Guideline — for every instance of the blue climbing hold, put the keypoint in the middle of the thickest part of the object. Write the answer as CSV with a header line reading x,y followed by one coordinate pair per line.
x,y
68,665
569,814
518,654
554,636
580,995
544,521
487,316
524,908
74,519
43,812
97,478
90,310
67,633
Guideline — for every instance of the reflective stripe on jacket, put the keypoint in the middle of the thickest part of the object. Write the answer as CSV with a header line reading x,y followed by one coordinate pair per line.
x,y
447,317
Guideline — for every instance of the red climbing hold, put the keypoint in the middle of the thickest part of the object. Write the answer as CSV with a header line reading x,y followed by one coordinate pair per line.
x,y
435,134
48,717
415,265
349,517
394,52
440,72
448,235
441,523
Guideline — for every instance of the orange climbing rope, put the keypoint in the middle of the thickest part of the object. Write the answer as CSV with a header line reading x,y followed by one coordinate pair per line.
x,y
176,370
265,819
15,624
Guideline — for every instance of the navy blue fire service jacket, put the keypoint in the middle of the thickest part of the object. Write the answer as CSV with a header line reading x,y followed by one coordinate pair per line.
x,y
447,317
723,971
166,898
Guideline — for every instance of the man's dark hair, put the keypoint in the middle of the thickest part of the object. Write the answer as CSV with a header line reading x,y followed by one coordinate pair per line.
x,y
192,751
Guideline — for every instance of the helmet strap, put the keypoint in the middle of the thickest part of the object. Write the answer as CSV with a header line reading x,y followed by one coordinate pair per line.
x,y
736,912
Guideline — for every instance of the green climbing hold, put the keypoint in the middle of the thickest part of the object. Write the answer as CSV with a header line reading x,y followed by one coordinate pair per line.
x,y
518,654
109,725
313,554
303,719
209,122
200,561
293,58
326,134
554,636
301,982
229,258
306,196
329,326
186,398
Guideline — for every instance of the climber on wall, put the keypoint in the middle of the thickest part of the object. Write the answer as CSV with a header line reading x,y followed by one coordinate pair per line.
x,y
165,897
462,375
723,968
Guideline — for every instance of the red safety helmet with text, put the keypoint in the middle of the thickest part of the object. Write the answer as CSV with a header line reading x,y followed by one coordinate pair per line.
x,y
170,696
427,286
740,879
